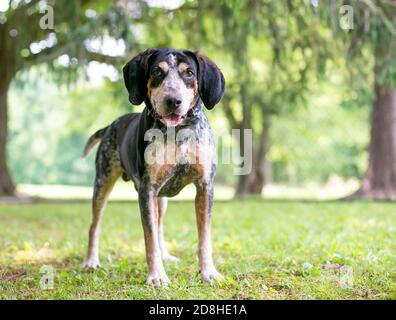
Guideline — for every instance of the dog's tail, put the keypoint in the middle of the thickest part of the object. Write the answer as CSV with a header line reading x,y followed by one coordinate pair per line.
x,y
93,140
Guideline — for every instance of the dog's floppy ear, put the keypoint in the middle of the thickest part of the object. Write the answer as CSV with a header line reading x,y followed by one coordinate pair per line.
x,y
211,83
136,76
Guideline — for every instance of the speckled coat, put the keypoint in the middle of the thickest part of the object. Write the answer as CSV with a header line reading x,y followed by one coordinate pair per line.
x,y
187,151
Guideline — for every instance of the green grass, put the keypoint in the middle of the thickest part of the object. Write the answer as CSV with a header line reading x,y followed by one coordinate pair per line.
x,y
265,250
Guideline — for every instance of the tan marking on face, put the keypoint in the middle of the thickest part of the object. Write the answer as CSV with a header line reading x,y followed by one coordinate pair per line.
x,y
164,66
195,95
149,88
182,67
195,87
173,84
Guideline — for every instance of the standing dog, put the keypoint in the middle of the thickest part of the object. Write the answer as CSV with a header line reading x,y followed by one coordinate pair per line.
x,y
162,149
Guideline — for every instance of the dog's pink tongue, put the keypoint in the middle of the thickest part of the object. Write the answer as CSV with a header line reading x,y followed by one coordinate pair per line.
x,y
172,120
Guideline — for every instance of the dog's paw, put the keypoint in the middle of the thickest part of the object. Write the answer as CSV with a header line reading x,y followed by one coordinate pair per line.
x,y
169,258
90,264
158,279
210,275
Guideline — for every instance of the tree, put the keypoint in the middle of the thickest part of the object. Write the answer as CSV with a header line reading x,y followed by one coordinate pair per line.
x,y
27,39
372,38
265,33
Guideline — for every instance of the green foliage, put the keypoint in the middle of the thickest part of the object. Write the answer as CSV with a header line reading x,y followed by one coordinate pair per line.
x,y
265,250
74,23
328,137
374,30
280,60
279,65
49,130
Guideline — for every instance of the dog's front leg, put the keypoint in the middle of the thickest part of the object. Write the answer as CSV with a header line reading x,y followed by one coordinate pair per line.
x,y
203,211
166,256
149,211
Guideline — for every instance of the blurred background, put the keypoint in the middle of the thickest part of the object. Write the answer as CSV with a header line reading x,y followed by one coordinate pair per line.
x,y
315,80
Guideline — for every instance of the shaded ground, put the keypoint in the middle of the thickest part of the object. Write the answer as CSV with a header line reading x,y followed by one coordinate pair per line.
x,y
265,249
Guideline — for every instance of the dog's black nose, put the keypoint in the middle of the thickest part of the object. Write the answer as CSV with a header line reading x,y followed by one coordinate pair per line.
x,y
173,102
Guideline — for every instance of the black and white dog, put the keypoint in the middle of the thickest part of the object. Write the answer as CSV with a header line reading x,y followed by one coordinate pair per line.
x,y
162,149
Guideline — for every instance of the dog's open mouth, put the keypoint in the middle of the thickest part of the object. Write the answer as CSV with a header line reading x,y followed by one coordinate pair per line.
x,y
172,120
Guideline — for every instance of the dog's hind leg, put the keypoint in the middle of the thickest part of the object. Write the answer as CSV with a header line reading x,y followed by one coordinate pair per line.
x,y
103,186
162,205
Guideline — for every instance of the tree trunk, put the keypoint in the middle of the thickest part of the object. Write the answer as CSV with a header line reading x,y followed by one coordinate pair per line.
x,y
379,182
242,186
7,186
261,173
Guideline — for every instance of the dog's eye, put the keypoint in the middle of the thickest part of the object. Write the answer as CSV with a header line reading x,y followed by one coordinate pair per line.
x,y
157,72
189,72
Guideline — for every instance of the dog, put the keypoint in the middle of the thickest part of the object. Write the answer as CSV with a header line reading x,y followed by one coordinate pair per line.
x,y
175,85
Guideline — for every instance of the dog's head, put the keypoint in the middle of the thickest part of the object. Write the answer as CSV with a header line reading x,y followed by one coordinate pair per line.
x,y
173,81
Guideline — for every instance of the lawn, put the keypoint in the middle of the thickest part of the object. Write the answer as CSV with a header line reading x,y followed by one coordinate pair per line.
x,y
265,249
